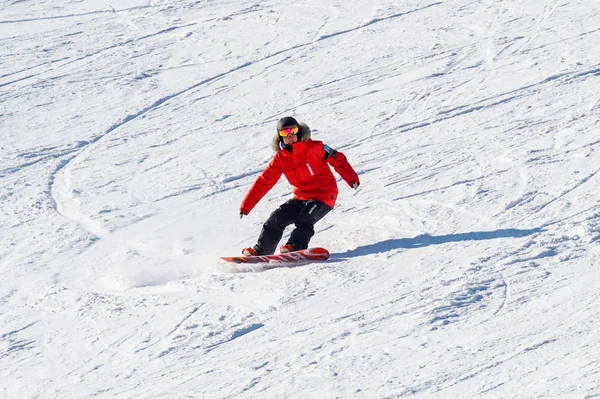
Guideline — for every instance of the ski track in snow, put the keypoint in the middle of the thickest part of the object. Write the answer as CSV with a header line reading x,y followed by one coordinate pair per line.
x,y
59,175
112,10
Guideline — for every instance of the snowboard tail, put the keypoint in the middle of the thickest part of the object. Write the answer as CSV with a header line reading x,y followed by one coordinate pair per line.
x,y
305,255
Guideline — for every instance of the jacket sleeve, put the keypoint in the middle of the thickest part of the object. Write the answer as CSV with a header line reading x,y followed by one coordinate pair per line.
x,y
261,186
341,165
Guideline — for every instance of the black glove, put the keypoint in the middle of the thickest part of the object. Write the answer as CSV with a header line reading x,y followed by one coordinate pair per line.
x,y
242,214
355,185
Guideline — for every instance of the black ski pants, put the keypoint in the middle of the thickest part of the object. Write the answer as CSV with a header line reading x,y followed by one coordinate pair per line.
x,y
304,214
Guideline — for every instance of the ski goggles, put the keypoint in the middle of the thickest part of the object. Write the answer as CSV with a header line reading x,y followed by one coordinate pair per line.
x,y
286,131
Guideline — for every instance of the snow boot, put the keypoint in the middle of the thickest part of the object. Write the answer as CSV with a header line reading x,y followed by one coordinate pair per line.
x,y
284,249
248,251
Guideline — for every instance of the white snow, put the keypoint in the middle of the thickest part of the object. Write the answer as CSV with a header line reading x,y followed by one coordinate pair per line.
x,y
466,264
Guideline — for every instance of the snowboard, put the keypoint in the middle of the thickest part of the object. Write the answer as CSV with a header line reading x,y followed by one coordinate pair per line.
x,y
305,255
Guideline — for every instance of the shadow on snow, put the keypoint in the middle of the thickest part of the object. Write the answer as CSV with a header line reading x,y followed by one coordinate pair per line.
x,y
425,240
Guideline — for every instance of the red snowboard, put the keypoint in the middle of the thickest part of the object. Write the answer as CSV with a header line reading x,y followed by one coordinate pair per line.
x,y
305,255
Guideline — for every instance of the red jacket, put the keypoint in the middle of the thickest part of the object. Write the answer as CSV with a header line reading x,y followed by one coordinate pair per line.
x,y
307,169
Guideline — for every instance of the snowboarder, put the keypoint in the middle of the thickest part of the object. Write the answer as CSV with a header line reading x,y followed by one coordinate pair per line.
x,y
305,163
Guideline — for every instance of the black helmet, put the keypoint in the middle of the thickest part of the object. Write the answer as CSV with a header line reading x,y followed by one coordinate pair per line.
x,y
303,134
287,122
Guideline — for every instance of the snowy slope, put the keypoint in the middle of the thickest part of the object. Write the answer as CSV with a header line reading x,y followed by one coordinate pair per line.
x,y
466,265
